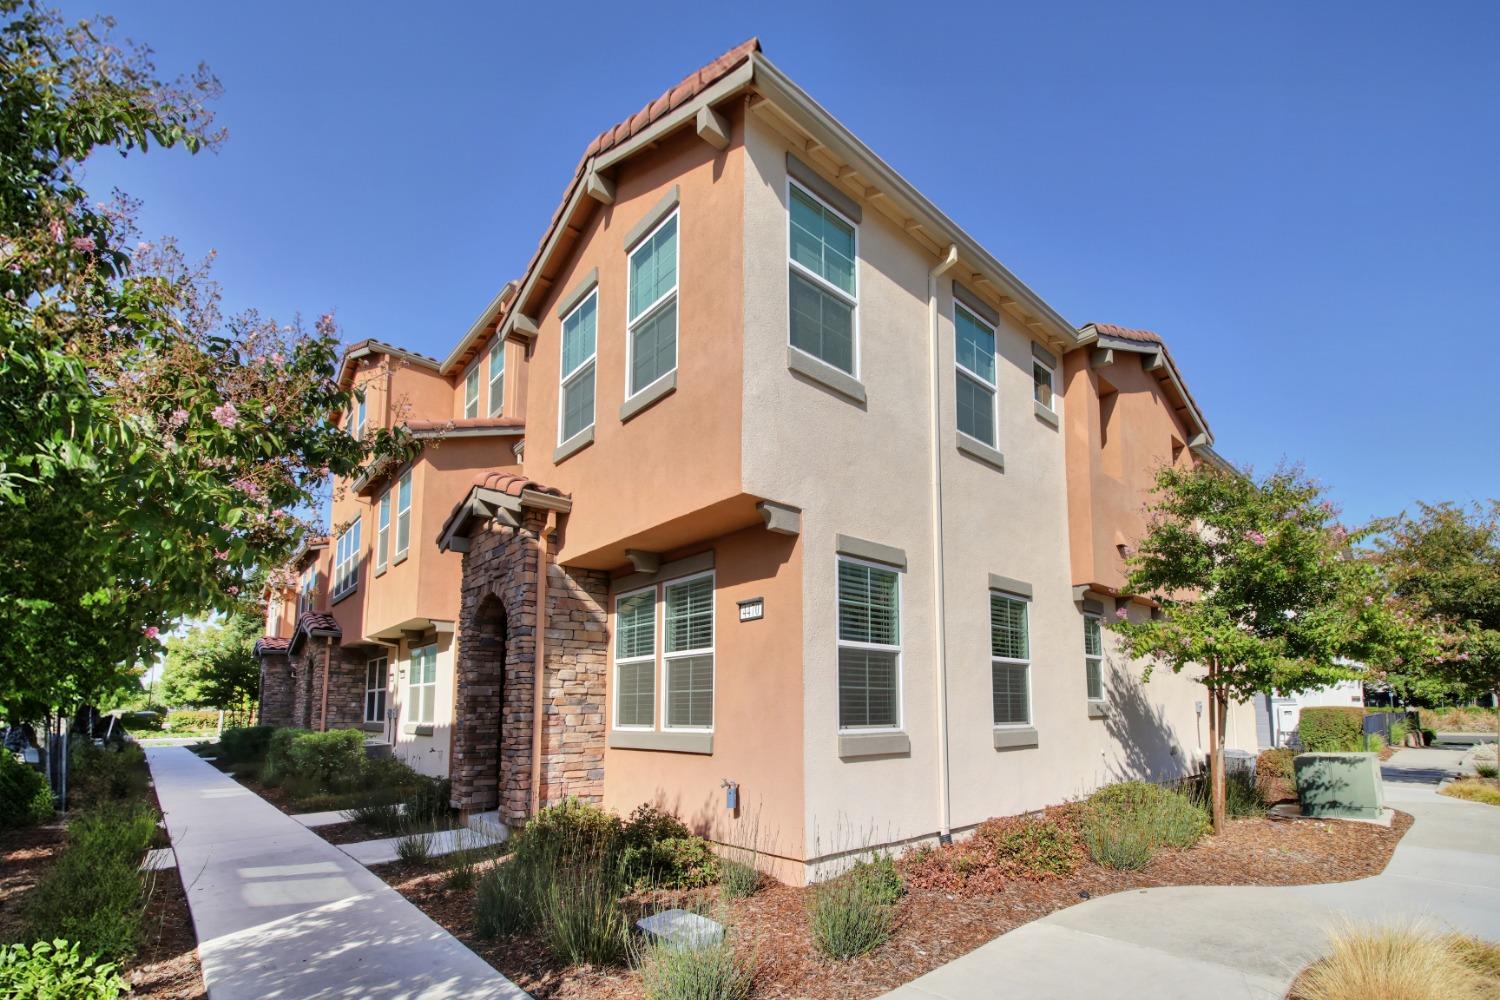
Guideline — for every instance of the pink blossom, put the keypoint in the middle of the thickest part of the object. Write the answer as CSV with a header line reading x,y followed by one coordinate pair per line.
x,y
221,554
1340,533
232,591
143,246
84,244
1255,537
150,631
178,418
1185,642
1121,614
56,226
227,414
1369,600
1464,657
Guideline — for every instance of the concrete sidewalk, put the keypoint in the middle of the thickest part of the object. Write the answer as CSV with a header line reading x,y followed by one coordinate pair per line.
x,y
281,914
1194,942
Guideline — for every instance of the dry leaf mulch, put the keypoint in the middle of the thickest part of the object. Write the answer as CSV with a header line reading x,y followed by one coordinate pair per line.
x,y
933,926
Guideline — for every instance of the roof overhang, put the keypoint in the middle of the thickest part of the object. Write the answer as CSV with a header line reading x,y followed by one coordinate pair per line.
x,y
484,505
1160,364
370,348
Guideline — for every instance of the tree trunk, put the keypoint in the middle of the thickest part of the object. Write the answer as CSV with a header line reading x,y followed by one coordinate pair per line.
x,y
1216,749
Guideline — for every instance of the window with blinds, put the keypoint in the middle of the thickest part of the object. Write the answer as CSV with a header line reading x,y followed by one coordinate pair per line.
x,y
346,560
635,660
688,652
869,646
824,295
580,328
652,324
383,533
1093,657
974,363
1010,660
403,515
422,683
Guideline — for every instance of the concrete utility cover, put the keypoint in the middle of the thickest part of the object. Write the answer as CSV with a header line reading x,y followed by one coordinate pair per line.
x,y
681,928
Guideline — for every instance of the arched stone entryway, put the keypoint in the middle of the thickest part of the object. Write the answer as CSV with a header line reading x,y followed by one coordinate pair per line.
x,y
478,715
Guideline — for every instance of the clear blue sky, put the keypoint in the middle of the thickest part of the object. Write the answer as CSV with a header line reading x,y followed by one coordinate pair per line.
x,y
1303,198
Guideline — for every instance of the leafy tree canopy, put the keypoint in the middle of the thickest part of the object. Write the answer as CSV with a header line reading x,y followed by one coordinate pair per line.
x,y
212,665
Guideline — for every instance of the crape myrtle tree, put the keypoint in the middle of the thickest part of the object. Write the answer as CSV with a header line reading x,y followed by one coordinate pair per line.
x,y
1443,566
1260,590
152,451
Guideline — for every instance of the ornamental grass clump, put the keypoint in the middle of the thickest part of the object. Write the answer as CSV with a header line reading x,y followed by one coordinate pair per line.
x,y
1410,962
1126,824
855,912
716,971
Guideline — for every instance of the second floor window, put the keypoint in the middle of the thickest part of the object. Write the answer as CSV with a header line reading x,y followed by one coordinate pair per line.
x,y
383,533
869,646
346,560
652,328
974,358
1041,379
823,290
576,407
1093,658
422,684
307,592
357,417
497,379
403,515
471,393
1010,660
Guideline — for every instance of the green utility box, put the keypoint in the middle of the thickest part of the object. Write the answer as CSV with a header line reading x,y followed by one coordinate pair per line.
x,y
1339,785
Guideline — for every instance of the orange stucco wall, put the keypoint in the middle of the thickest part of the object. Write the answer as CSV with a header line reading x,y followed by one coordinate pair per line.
x,y
681,455
1115,446
757,711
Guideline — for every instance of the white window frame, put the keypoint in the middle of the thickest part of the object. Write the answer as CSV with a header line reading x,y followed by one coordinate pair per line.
x,y
899,649
656,648
383,533
382,691
346,559
590,362
1030,707
414,689
471,392
403,514
964,371
1088,658
497,399
710,651
1051,403
650,312
306,592
822,282
357,415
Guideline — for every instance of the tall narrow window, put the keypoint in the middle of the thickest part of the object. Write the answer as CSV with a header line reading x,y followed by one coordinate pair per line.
x,y
422,683
635,660
689,653
1041,383
974,356
1010,660
869,647
471,392
357,421
403,516
375,677
383,533
824,293
346,560
652,327
307,593
1093,657
578,341
497,379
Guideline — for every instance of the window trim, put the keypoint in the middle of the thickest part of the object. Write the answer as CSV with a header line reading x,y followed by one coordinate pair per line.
x,y
414,701
963,371
359,415
1030,722
822,282
655,308
401,553
653,590
497,406
1099,621
565,376
349,560
384,689
471,392
899,648
1051,405
711,651
382,533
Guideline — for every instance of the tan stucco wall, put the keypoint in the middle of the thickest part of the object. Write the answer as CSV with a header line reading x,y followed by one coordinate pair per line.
x,y
681,455
424,753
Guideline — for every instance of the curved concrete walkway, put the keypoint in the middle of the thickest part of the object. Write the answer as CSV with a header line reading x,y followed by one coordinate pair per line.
x,y
1228,943
282,914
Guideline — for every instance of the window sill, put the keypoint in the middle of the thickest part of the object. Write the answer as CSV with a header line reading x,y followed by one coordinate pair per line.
x,y
1045,414
573,445
826,375
1015,739
649,396
380,570
401,557
981,451
856,745
336,598
374,727
1098,710
417,729
627,739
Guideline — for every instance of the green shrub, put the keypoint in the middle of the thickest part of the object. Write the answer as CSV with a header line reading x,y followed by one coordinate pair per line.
x,y
879,877
464,865
1125,824
1242,796
649,824
25,796
95,894
1031,846
192,720
145,721
427,800
708,972
1274,777
1399,731
56,971
279,756
851,914
1487,770
99,774
570,831
243,744
330,760
674,863
738,879
1336,729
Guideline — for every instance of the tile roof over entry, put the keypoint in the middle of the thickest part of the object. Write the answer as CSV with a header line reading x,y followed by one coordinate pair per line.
x,y
513,485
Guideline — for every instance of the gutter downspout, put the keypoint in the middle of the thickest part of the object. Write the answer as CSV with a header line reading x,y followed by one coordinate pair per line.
x,y
539,664
940,622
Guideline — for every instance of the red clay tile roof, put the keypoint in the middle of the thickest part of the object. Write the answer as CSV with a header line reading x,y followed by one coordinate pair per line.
x,y
512,485
673,97
466,423
1126,333
270,644
318,621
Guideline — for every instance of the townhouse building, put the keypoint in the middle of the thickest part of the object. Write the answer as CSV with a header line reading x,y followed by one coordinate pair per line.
x,y
766,495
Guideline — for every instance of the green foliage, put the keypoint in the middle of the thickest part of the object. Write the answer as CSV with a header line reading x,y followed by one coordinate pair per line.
x,y
1031,846
1275,778
1126,824
1242,793
243,744
144,721
100,774
25,796
649,824
56,971
192,721
95,894
854,913
1333,729
674,863
414,847
738,879
507,900
1486,770
714,971
213,665
331,759
571,830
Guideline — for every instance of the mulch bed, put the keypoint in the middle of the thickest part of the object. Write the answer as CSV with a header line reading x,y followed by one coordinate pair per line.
x,y
933,926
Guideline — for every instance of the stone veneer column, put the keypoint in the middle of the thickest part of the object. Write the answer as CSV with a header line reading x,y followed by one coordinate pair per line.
x,y
577,662
275,690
